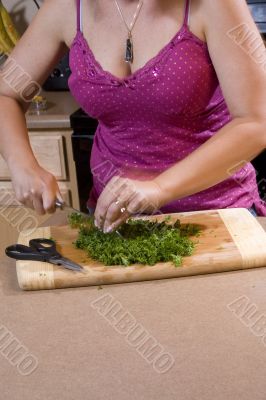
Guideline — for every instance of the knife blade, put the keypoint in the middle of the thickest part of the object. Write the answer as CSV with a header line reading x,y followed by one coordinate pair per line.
x,y
62,206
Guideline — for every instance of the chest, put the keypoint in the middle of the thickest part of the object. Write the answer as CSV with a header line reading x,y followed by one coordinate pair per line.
x,y
106,33
179,80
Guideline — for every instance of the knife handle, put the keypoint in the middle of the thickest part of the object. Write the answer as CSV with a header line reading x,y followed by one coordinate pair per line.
x,y
60,204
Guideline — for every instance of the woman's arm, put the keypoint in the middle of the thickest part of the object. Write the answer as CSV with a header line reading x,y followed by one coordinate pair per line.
x,y
40,48
239,58
242,78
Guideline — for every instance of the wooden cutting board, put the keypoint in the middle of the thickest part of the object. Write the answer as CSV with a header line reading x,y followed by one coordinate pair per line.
x,y
231,239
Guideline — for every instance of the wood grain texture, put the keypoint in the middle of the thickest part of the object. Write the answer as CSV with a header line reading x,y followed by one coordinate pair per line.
x,y
49,151
230,240
32,275
252,248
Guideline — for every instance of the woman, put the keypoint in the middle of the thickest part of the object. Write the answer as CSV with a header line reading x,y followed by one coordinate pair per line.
x,y
179,120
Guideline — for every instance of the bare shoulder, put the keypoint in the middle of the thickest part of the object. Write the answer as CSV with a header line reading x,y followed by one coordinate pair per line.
x,y
43,44
224,14
66,12
196,18
238,55
62,13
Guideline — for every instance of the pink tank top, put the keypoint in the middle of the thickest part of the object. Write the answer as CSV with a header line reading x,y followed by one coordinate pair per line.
x,y
156,117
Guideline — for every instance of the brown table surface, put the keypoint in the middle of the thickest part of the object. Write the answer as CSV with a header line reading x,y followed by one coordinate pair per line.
x,y
81,355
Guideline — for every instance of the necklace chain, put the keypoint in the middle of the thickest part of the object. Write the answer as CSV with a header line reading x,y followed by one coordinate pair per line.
x,y
129,42
135,17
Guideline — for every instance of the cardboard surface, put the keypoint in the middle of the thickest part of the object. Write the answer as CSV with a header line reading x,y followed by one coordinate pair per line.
x,y
82,356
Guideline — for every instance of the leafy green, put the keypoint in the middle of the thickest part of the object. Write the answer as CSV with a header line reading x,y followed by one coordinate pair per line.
x,y
141,241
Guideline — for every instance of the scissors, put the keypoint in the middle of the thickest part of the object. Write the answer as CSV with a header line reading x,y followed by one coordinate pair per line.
x,y
41,250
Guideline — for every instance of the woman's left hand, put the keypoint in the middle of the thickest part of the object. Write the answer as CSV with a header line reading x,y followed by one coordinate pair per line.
x,y
123,197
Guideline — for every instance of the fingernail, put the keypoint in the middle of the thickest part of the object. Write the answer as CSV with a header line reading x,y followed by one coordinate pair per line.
x,y
108,229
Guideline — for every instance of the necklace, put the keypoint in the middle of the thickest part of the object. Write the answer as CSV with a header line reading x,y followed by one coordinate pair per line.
x,y
129,54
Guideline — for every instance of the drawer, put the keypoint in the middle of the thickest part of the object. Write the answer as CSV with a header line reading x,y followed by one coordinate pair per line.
x,y
7,195
49,151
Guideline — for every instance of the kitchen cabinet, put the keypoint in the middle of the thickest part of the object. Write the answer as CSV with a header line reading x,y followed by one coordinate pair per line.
x,y
50,137
49,151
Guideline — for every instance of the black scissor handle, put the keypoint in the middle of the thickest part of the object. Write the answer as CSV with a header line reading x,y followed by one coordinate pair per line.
x,y
21,252
44,246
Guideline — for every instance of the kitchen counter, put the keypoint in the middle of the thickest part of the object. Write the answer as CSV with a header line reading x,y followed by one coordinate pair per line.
x,y
60,106
80,354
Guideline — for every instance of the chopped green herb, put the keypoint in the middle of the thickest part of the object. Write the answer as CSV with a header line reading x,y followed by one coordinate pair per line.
x,y
142,241
76,220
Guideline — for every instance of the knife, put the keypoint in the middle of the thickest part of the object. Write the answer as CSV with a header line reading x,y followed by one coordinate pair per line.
x,y
62,206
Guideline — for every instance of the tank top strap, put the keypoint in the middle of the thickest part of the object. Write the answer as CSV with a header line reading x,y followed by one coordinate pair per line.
x,y
79,15
186,16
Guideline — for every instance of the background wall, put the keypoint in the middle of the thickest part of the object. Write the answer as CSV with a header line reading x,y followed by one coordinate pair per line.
x,y
22,12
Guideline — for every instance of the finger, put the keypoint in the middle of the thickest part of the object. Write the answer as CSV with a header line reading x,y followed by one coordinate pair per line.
x,y
104,201
49,199
141,205
112,215
127,195
38,205
119,221
108,196
115,182
25,199
137,205
59,196
28,203
127,192
117,188
120,206
36,199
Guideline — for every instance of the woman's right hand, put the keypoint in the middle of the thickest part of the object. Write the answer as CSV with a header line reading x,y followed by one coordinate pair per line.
x,y
35,187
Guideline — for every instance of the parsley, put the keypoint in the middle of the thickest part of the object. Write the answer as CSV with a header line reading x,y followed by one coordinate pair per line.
x,y
143,241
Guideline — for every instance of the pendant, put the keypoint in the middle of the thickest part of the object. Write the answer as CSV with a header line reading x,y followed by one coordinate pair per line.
x,y
129,51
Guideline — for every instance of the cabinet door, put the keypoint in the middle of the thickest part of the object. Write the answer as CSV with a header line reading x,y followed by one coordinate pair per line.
x,y
49,151
7,195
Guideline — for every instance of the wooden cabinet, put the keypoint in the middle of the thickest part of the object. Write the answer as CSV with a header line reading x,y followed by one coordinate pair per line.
x,y
49,151
53,150
50,138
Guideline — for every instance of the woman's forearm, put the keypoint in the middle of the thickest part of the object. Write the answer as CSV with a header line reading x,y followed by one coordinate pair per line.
x,y
33,186
233,146
14,139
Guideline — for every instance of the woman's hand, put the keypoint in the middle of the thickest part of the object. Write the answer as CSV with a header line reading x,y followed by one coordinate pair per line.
x,y
123,197
35,187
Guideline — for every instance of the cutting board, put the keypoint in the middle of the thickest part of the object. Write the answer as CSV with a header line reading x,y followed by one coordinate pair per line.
x,y
231,239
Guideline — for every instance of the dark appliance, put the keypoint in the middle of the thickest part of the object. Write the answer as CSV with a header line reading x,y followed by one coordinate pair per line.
x,y
84,128
58,79
258,11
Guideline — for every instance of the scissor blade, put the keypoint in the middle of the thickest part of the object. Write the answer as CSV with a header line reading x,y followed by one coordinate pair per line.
x,y
66,263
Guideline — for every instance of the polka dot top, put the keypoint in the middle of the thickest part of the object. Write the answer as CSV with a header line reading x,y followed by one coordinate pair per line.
x,y
156,117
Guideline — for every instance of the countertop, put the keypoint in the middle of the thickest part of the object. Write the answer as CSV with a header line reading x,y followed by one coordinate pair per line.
x,y
60,105
77,353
